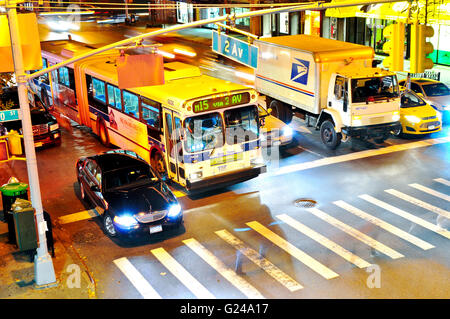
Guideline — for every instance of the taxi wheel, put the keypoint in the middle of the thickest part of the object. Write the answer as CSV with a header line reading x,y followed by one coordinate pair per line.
x,y
108,225
398,132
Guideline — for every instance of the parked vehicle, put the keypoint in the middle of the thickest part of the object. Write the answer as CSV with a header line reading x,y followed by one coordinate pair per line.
x,y
417,116
435,93
274,131
329,83
132,197
46,129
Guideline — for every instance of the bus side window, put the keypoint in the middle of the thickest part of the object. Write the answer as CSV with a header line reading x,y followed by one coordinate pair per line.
x,y
114,98
131,104
96,93
150,113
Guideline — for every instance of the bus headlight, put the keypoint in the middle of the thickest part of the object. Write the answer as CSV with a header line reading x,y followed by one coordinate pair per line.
x,y
257,161
412,118
396,116
54,127
174,211
195,175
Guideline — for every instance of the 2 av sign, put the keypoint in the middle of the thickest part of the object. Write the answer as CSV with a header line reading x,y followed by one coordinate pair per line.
x,y
9,115
235,49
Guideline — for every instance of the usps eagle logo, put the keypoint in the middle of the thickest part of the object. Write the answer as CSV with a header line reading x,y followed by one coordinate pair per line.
x,y
299,71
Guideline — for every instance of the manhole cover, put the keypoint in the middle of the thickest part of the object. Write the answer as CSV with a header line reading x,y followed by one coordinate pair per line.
x,y
305,203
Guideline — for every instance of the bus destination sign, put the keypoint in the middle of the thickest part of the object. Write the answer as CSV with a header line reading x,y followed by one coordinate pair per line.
x,y
220,102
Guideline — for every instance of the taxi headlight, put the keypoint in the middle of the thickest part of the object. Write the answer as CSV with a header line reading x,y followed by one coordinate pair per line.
x,y
287,131
412,118
54,127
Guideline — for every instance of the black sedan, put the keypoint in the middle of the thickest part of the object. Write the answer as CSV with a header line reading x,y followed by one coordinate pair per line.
x,y
132,197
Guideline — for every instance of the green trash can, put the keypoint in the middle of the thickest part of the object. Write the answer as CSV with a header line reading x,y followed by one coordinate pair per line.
x,y
10,192
24,224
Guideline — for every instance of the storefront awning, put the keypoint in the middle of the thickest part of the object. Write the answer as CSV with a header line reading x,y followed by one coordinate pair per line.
x,y
437,11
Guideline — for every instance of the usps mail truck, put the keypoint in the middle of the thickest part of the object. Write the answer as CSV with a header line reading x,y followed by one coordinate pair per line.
x,y
330,84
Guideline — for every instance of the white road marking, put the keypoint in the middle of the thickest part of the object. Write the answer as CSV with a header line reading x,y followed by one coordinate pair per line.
x,y
293,251
430,191
240,283
259,260
359,155
339,250
356,233
138,281
386,226
419,203
182,274
406,215
442,181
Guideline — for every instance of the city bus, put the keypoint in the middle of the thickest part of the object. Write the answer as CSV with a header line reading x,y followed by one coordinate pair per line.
x,y
198,131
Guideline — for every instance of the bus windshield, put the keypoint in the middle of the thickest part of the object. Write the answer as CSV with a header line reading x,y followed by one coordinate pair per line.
x,y
371,89
241,124
203,132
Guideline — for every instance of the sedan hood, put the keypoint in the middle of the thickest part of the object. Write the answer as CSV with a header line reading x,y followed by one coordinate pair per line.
x,y
147,198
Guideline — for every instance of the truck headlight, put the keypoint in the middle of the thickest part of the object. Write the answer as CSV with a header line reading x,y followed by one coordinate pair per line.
x,y
54,127
396,116
412,118
356,120
174,211
125,220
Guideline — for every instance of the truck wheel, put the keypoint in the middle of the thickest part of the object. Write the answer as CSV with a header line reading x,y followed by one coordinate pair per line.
x,y
329,136
380,140
281,111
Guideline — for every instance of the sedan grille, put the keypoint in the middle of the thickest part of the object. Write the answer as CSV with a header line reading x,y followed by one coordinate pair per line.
x,y
40,129
150,217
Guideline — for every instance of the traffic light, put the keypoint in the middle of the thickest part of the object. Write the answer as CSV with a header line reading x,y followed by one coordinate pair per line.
x,y
395,46
420,48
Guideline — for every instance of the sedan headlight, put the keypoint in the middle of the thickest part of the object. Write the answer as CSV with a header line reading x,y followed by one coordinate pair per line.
x,y
125,221
54,127
287,131
174,211
412,118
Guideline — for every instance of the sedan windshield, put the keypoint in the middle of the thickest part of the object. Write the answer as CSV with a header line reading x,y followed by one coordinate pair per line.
x,y
241,124
126,176
204,132
436,89
367,89
409,99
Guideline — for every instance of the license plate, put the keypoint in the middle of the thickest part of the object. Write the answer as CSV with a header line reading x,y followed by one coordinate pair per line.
x,y
155,229
38,144
222,168
431,127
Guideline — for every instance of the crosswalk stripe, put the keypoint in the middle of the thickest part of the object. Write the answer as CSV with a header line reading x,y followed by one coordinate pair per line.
x,y
356,233
259,260
182,274
386,226
138,281
240,283
293,251
419,203
442,181
430,191
406,215
344,253
75,217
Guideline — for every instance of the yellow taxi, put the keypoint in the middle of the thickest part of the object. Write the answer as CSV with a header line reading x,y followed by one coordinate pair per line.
x,y
416,116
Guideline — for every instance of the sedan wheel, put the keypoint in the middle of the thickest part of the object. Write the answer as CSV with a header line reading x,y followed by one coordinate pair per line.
x,y
108,225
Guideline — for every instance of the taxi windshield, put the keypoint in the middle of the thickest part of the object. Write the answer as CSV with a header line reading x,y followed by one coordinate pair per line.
x,y
436,89
410,99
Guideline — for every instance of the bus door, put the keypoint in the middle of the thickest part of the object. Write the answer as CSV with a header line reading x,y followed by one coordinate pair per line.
x,y
174,152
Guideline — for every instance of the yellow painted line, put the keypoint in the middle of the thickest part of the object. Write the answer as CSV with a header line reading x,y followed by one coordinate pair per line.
x,y
182,274
339,250
386,226
179,194
293,251
406,215
359,155
430,191
136,278
442,181
75,217
356,233
259,260
419,203
240,283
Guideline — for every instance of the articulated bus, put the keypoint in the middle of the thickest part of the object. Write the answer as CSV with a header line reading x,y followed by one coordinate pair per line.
x,y
199,131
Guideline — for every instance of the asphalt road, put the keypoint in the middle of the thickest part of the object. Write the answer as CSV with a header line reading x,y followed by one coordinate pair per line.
x,y
253,240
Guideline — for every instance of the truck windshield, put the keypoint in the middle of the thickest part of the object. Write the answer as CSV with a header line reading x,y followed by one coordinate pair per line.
x,y
241,124
203,132
371,89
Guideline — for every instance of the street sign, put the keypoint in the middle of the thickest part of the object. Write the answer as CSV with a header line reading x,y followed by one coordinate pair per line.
x,y
9,115
235,49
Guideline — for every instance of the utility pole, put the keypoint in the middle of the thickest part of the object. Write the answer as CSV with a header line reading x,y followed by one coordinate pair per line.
x,y
43,264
